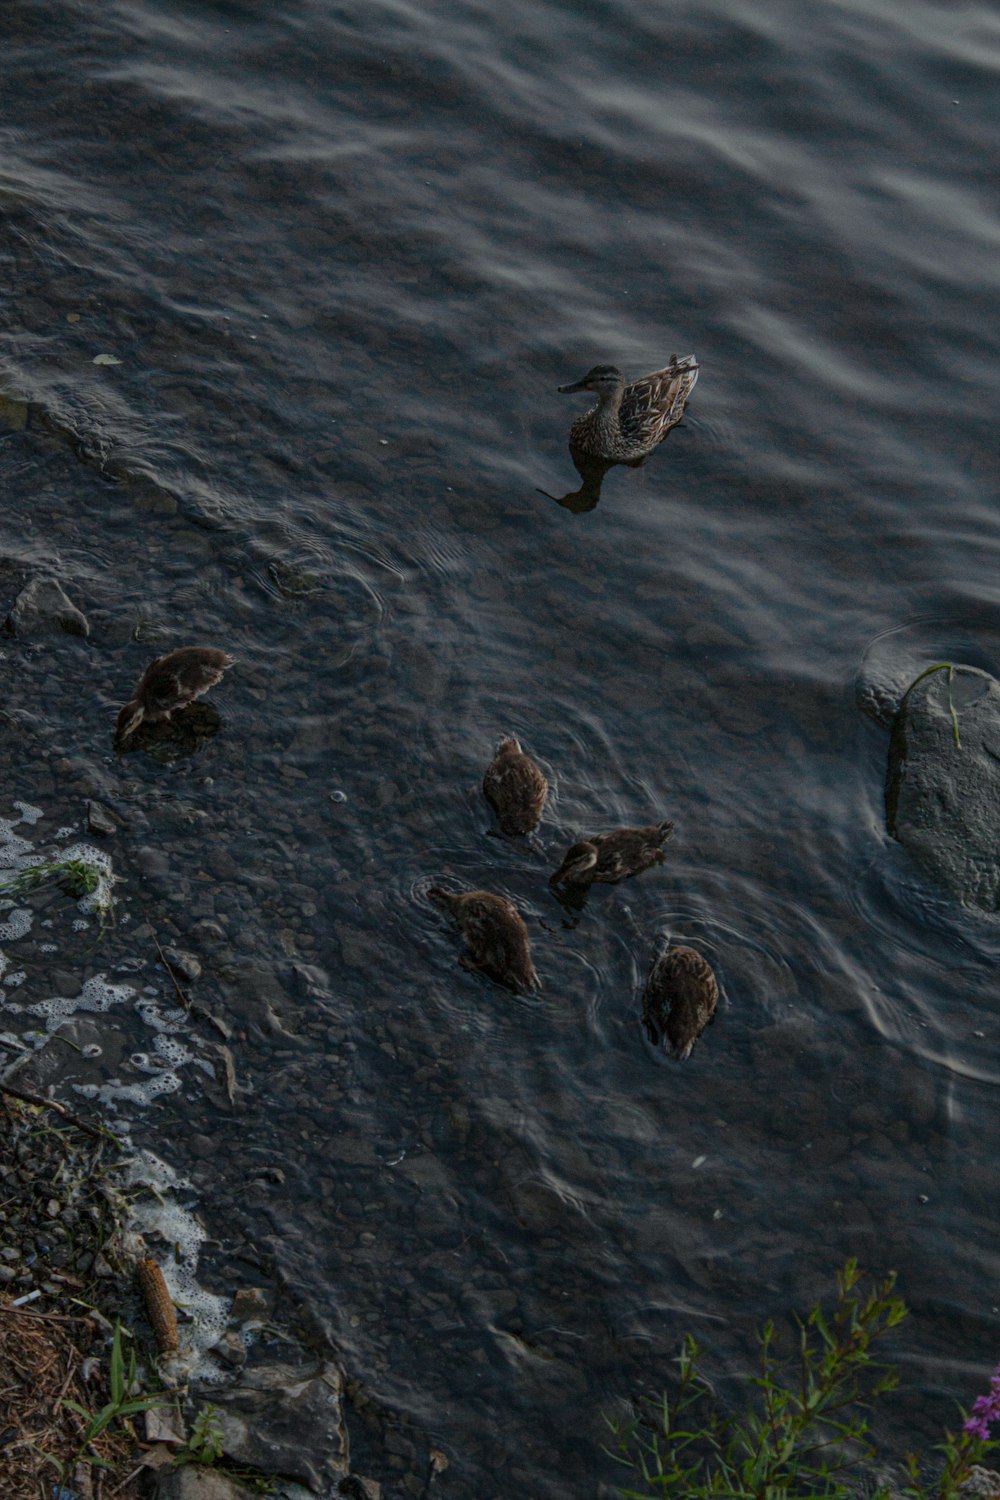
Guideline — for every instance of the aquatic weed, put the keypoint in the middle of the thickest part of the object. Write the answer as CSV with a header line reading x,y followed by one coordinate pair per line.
x,y
80,878
949,667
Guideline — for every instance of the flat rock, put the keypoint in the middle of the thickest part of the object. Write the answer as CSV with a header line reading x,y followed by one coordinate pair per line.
x,y
942,797
42,606
191,1482
287,1421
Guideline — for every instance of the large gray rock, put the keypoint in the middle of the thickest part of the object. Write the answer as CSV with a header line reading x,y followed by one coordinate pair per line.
x,y
287,1422
942,797
42,606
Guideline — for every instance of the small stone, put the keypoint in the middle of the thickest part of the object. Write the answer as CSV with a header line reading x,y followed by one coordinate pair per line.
x,y
183,963
100,820
101,1267
53,1208
7,1274
251,1304
208,931
153,862
230,1350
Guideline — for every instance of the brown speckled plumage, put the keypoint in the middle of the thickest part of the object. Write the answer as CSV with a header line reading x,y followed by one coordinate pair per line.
x,y
680,1000
515,788
629,420
495,935
610,857
172,682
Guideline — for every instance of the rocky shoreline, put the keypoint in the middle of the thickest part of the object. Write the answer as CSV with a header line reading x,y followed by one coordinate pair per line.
x,y
245,1405
67,1272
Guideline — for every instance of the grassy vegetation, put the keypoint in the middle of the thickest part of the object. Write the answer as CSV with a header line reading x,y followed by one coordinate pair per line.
x,y
805,1426
77,878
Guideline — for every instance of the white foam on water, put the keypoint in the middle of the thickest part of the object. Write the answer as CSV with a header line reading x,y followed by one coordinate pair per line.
x,y
114,1093
147,1064
96,996
13,848
159,1215
100,900
160,1020
17,924
173,1052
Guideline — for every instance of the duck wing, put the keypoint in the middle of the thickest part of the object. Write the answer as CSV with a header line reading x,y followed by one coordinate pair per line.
x,y
173,680
657,401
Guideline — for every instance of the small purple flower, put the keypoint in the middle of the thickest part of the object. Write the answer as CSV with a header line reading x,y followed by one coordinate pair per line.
x,y
985,1410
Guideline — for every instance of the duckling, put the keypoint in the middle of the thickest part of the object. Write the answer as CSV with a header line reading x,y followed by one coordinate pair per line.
x,y
171,682
680,1000
515,788
629,420
610,857
495,933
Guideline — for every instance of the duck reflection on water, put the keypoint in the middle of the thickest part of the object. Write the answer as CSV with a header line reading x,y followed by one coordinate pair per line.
x,y
591,472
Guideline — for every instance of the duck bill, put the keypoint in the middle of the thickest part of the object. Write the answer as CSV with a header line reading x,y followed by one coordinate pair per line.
x,y
580,385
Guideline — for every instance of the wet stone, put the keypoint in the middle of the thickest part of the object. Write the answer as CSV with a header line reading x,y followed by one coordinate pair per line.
x,y
288,1422
184,964
230,1350
100,820
13,413
43,606
943,784
153,862
251,1304
191,1482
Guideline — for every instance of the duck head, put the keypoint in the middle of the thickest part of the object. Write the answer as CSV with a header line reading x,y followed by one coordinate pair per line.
x,y
578,861
129,719
603,380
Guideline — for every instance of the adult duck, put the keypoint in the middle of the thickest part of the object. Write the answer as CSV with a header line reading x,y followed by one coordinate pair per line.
x,y
629,420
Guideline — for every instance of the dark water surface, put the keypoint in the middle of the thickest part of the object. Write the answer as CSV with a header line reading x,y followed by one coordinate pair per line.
x,y
344,254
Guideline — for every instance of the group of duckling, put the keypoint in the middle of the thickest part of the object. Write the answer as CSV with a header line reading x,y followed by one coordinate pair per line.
x,y
681,994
